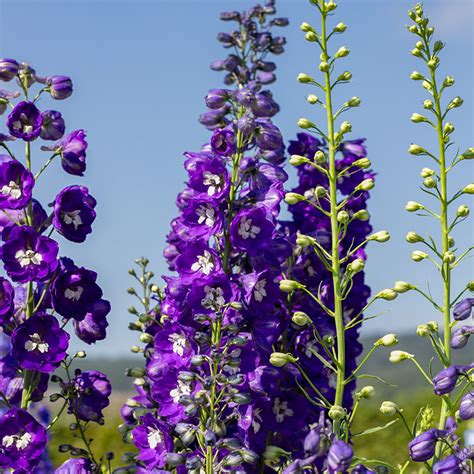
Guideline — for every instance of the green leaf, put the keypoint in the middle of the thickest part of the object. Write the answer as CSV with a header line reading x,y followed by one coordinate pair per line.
x,y
374,430
357,460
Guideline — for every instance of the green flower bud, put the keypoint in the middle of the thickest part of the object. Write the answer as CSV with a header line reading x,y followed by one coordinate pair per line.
x,y
422,330
413,29
448,128
357,265
306,27
470,285
300,318
304,78
427,85
416,149
287,286
146,338
462,211
402,286
451,242
381,236
367,392
237,305
418,118
438,46
388,294
304,123
449,257
433,62
428,104
456,102
298,160
320,192
345,76
274,453
330,6
303,240
432,326
420,45
468,154
362,215
399,356
346,127
293,198
323,66
280,359
312,99
155,288
329,340
429,182
311,36
413,238
362,163
418,256
389,408
416,76
365,185
336,412
80,355
353,102
412,206
340,28
320,157
416,52
449,81
469,189
425,172
342,52
136,372
342,217
135,349
388,340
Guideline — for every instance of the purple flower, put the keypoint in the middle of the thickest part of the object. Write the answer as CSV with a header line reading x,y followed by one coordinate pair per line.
x,y
75,466
268,136
223,142
60,87
22,440
217,98
445,381
16,184
197,261
28,256
93,327
39,343
74,213
53,126
466,408
339,457
460,336
73,152
74,293
153,440
463,309
8,69
251,229
207,176
5,98
201,218
173,346
422,448
261,289
449,465
7,295
25,121
91,391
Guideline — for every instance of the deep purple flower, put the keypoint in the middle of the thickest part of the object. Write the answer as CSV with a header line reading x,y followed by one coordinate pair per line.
x,y
251,229
422,448
339,457
197,261
39,343
153,440
207,176
217,98
22,440
463,309
60,87
261,289
75,466
28,256
8,69
354,148
74,213
16,184
174,346
268,136
466,408
460,336
25,121
74,293
201,219
53,125
5,98
91,392
93,327
449,465
445,381
223,142
7,295
72,149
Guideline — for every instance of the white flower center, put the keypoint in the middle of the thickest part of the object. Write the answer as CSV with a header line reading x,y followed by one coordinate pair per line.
x,y
206,214
74,293
214,297
281,410
12,189
36,343
182,389
259,291
213,181
72,217
154,437
28,257
20,442
257,420
204,263
179,343
246,229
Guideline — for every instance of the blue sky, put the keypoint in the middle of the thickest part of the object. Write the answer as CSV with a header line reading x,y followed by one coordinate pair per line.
x,y
140,70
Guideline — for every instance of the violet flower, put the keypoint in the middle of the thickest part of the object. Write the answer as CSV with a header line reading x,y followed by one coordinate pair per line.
x,y
16,184
60,87
25,121
53,125
8,69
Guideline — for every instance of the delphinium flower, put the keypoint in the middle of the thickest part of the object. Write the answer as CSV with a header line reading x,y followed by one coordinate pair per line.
x,y
44,292
453,383
206,391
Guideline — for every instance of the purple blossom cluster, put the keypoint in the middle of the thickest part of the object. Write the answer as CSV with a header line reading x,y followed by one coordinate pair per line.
x,y
43,292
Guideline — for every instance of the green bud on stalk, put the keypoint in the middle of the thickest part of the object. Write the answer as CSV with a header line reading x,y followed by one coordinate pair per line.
x,y
336,412
381,236
362,163
280,359
288,286
293,198
389,408
304,123
300,318
297,160
402,286
388,294
463,211
388,340
416,149
413,238
412,206
399,356
418,255
312,99
304,78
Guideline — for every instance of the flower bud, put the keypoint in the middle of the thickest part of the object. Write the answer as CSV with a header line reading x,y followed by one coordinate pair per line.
x,y
418,255
402,286
146,338
381,236
357,265
432,326
416,76
342,217
426,85
320,157
346,127
399,356
136,372
305,27
280,359
389,408
413,238
416,149
303,240
330,6
353,102
300,318
287,286
462,211
365,185
449,81
337,412
362,163
418,118
470,285
311,36
428,104
293,198
312,99
456,102
274,453
367,392
416,52
468,154
340,28
426,172
304,123
469,189
388,294
422,330
342,52
345,76
362,215
388,340
54,397
323,66
413,29
449,257
412,206
433,63
237,305
429,182
80,355
297,160
304,78
320,191
448,128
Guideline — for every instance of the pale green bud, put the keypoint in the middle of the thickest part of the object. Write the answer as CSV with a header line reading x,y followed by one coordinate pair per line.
x,y
451,242
413,238
438,46
80,354
448,128
306,27
280,359
449,81
274,453
345,76
303,240
323,66
320,191
416,76
449,257
237,305
342,52
357,265
336,412
135,349
136,372
293,198
428,104
330,6
365,185
425,172
388,294
155,288
300,318
353,102
311,36
462,211
399,356
146,338
340,28
416,149
433,62
367,392
297,160
381,236
469,189
320,157
346,127
422,330
432,326
288,286
420,45
418,118
470,285
362,215
456,102
389,408
426,85
362,163
304,123
416,52
304,78
418,255
389,340
402,286
468,154
412,206
413,29
312,99
342,217
429,182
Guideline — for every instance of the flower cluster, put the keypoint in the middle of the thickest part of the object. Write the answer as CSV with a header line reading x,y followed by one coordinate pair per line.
x,y
42,292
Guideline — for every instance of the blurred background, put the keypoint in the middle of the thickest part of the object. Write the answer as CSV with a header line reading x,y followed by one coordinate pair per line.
x,y
140,70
